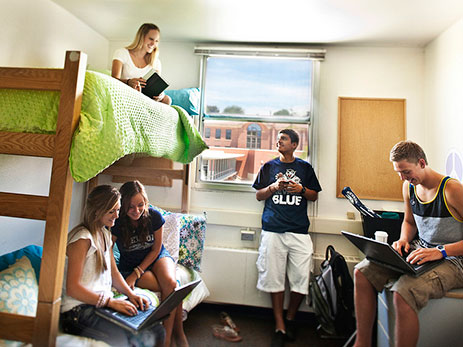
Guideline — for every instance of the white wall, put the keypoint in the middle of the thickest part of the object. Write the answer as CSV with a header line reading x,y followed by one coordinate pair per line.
x,y
37,34
444,96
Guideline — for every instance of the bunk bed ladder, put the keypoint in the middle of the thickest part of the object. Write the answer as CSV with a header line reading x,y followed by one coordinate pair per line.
x,y
42,329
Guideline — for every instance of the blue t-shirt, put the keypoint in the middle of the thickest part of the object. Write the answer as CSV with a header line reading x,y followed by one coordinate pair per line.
x,y
283,211
137,250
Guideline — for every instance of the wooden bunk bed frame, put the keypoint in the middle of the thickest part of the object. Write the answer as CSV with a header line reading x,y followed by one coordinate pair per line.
x,y
42,329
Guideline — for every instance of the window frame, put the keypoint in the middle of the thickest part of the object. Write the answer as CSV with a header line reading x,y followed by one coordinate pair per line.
x,y
316,55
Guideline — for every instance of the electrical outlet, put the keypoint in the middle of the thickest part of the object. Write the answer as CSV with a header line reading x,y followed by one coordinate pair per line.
x,y
247,235
351,215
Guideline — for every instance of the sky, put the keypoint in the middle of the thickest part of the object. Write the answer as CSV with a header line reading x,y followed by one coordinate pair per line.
x,y
260,86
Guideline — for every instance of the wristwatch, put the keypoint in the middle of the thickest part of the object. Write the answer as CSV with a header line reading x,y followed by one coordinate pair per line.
x,y
442,250
303,190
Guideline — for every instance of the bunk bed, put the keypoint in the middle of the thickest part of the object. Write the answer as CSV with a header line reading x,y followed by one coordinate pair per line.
x,y
182,144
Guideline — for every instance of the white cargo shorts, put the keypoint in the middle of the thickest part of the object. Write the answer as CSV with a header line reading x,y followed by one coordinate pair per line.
x,y
284,254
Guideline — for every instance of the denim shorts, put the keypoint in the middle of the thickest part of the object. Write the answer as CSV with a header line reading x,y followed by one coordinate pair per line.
x,y
162,254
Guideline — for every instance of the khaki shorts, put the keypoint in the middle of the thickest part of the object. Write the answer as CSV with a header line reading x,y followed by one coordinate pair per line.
x,y
282,254
416,291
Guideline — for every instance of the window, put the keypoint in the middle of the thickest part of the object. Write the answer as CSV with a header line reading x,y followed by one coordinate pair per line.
x,y
253,136
253,93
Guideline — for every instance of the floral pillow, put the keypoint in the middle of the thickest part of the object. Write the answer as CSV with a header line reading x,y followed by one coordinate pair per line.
x,y
192,236
192,231
19,289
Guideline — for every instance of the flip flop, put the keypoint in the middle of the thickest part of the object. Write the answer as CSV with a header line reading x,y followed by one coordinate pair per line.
x,y
225,333
226,320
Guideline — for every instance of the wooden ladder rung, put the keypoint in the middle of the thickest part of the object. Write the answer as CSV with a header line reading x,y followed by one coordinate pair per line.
x,y
38,145
23,206
16,327
31,78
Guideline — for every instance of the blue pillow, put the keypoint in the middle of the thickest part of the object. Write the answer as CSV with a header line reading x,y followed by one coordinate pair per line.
x,y
187,98
33,252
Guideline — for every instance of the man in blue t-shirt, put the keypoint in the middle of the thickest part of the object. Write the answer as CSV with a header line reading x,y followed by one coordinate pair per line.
x,y
285,183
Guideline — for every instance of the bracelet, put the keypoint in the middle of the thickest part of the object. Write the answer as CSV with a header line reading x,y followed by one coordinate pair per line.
x,y
141,271
137,272
102,300
107,302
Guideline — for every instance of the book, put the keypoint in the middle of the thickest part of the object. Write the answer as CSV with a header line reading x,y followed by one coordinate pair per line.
x,y
155,84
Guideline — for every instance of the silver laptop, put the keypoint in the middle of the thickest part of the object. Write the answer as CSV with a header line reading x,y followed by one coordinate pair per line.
x,y
384,254
152,315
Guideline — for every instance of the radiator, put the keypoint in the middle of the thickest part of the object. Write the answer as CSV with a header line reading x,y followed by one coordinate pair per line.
x,y
231,276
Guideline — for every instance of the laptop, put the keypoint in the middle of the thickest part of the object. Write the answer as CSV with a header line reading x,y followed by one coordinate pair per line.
x,y
155,85
384,254
152,315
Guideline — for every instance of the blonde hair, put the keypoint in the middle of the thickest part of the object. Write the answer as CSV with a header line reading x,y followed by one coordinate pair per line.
x,y
140,38
99,202
409,151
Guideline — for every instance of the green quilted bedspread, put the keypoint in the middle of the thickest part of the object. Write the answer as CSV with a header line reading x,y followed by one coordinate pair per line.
x,y
115,120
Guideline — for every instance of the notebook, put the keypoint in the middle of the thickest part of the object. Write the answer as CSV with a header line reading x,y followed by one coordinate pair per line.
x,y
384,254
155,85
152,315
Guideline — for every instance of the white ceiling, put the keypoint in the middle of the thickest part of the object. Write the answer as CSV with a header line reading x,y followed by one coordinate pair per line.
x,y
379,22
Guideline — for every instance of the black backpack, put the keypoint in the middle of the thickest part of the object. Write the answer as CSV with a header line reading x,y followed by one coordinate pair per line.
x,y
332,294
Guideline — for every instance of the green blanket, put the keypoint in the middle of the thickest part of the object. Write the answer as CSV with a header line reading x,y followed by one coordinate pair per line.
x,y
115,121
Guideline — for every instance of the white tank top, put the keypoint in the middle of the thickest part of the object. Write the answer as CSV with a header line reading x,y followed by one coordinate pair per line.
x,y
96,282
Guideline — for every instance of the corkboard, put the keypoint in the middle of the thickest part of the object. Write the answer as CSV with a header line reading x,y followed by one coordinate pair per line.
x,y
367,130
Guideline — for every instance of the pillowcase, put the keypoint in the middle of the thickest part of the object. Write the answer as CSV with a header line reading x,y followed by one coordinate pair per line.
x,y
192,231
170,235
33,252
192,236
19,289
187,98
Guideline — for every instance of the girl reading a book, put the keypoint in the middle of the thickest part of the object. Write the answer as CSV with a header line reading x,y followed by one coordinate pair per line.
x,y
91,271
144,260
136,60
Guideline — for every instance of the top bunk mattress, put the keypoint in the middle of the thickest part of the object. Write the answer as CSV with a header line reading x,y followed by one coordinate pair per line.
x,y
115,120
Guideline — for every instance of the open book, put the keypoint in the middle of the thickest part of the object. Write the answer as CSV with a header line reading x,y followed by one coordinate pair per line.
x,y
155,85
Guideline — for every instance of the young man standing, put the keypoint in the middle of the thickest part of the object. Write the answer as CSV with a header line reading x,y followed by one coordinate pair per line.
x,y
285,183
434,211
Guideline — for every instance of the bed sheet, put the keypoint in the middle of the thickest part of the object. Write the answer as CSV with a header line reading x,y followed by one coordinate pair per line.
x,y
115,121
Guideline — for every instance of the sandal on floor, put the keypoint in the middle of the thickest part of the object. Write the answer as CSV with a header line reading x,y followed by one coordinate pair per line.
x,y
225,333
226,320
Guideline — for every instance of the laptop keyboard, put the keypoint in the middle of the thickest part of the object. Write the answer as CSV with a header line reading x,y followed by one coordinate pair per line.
x,y
139,318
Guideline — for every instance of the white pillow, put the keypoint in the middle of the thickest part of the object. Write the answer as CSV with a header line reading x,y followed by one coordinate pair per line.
x,y
171,235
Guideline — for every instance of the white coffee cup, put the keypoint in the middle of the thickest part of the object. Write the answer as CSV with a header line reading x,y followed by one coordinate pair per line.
x,y
381,236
